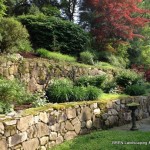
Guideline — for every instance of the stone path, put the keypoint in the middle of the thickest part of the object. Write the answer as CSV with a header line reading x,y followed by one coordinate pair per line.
x,y
143,125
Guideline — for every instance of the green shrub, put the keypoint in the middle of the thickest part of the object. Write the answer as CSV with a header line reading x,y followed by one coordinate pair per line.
x,y
59,90
14,36
55,34
109,86
13,92
78,93
87,58
135,90
90,80
92,93
64,91
54,55
127,77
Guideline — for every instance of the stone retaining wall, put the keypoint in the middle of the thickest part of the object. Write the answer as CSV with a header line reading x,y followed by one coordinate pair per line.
x,y
36,73
44,129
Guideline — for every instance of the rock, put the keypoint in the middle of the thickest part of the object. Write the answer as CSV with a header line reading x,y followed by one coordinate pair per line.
x,y
53,136
93,106
44,140
77,127
113,120
105,116
71,113
96,123
75,121
3,144
83,124
85,114
51,144
42,148
43,117
55,127
69,126
114,112
31,144
70,135
10,130
59,140
52,120
36,119
32,132
42,129
62,117
17,138
109,105
97,111
1,128
11,122
89,124
24,123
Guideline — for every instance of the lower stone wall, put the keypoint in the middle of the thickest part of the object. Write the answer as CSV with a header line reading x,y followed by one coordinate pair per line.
x,y
44,129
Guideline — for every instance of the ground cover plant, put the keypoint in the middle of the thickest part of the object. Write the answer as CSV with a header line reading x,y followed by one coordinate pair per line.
x,y
104,140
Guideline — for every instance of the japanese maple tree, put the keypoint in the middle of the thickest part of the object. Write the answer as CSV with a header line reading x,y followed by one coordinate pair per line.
x,y
119,19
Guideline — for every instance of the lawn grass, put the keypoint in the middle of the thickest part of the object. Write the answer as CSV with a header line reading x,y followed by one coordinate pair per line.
x,y
103,140
55,55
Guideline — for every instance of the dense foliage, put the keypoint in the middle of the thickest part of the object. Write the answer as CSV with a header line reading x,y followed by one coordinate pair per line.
x,y
14,36
55,34
12,92
63,90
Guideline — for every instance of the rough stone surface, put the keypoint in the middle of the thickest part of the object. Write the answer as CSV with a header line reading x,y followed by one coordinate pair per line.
x,y
69,126
9,123
70,135
1,128
42,129
77,127
59,140
71,113
89,124
24,123
44,140
3,144
32,144
85,114
43,117
53,136
17,138
97,111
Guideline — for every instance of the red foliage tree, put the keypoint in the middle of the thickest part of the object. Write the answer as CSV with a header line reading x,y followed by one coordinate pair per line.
x,y
119,19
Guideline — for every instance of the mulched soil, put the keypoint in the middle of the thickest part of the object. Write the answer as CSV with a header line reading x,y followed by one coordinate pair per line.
x,y
29,55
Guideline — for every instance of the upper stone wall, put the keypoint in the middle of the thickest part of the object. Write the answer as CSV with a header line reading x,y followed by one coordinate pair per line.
x,y
36,73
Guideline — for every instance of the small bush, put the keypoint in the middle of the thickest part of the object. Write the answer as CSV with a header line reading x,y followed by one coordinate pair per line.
x,y
109,86
54,55
90,80
78,94
14,36
13,92
87,58
59,90
64,91
128,77
135,90
92,93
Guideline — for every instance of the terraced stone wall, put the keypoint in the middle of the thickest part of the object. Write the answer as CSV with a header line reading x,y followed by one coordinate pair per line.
x,y
36,73
41,129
